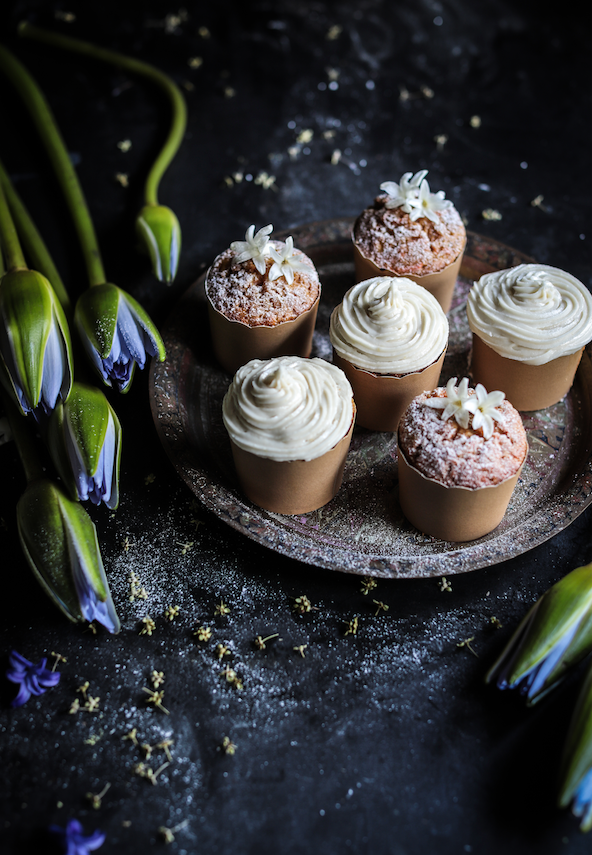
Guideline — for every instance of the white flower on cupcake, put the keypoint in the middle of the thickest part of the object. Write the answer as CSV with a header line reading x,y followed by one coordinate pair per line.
x,y
413,196
285,263
485,412
255,247
427,204
400,194
462,403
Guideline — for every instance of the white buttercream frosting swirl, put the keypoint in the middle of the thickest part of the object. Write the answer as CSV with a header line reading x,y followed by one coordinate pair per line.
x,y
532,313
288,408
389,325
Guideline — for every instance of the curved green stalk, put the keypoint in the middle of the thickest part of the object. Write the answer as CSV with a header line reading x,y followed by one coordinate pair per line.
x,y
170,89
52,140
34,244
15,260
23,440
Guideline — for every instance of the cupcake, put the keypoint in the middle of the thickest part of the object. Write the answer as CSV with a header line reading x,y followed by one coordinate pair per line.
x,y
411,232
263,297
460,455
530,324
290,422
389,336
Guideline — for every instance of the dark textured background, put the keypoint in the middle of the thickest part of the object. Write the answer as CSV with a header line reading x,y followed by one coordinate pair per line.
x,y
387,741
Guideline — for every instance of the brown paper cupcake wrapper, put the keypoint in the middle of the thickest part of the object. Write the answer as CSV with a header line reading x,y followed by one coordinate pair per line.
x,y
527,387
236,343
292,486
440,285
382,399
451,513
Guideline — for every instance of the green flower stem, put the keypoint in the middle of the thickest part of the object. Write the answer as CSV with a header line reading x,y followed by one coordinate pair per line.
x,y
170,89
38,253
24,441
11,246
52,140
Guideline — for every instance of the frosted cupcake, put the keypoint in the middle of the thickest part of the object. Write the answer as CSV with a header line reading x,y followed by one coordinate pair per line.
x,y
263,297
389,336
290,422
411,232
530,324
460,455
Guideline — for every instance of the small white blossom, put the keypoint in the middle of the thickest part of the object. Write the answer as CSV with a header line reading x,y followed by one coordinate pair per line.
x,y
285,263
427,204
457,402
400,194
485,412
254,247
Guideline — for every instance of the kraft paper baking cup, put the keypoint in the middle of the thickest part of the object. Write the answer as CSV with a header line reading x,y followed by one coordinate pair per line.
x,y
451,513
236,343
527,387
381,399
292,486
440,284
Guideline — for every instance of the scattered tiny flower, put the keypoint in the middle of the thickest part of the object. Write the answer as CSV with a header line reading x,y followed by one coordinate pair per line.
x,y
260,642
155,698
491,214
305,136
301,605
496,622
228,747
466,642
124,145
203,633
195,62
73,840
380,607
368,584
165,746
132,736
31,679
221,609
74,707
445,585
333,32
300,649
168,834
149,626
255,247
185,547
171,612
58,658
96,798
222,651
351,627
157,678
440,140
122,178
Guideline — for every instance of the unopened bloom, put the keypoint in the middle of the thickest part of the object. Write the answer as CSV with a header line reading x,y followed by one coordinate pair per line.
x,y
59,540
31,679
117,334
576,786
85,441
74,841
286,263
555,634
159,229
35,348
255,247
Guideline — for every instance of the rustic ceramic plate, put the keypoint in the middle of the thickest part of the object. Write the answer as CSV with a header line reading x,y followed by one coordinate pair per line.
x,y
362,530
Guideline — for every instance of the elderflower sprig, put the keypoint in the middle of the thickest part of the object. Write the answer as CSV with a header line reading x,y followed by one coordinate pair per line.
x,y
255,247
156,225
285,262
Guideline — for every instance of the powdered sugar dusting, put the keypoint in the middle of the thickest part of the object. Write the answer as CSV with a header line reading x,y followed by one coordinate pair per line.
x,y
241,293
461,457
389,238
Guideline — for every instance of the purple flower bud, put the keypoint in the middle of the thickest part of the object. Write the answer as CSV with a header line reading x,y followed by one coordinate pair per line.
x,y
74,841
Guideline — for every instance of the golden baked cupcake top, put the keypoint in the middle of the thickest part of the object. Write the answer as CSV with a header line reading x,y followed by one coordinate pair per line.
x,y
410,230
262,282
463,437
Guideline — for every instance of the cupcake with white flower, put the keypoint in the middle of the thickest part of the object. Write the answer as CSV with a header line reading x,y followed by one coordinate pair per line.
x,y
263,296
410,231
461,451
